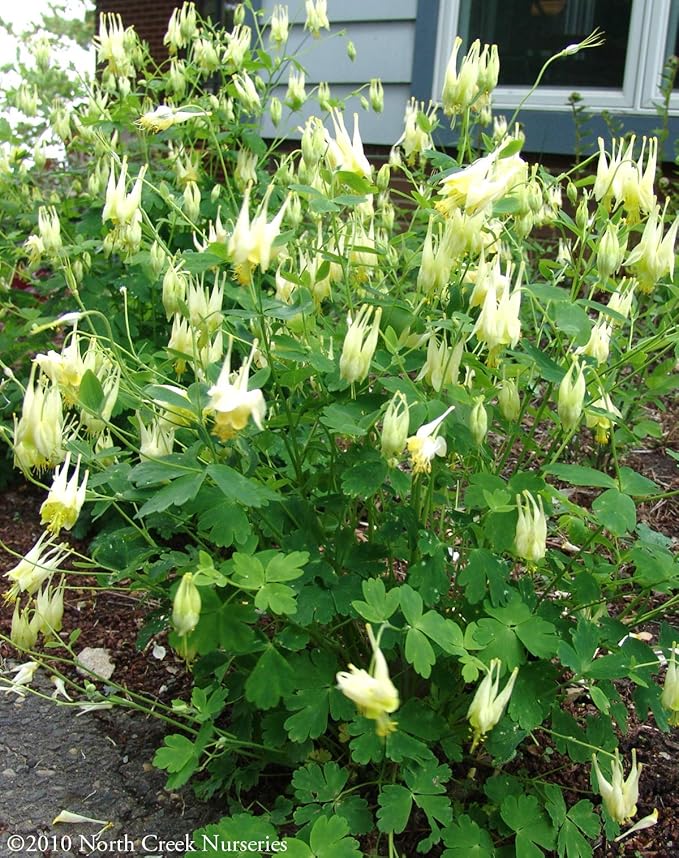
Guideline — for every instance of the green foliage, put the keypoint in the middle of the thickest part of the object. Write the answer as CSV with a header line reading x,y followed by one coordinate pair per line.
x,y
350,417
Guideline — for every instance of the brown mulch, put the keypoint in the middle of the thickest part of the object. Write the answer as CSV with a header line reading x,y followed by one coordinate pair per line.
x,y
106,619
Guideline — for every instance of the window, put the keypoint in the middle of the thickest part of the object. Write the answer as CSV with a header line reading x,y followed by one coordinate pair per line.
x,y
623,75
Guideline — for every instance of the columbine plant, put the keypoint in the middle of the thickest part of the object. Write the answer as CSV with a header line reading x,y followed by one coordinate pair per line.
x,y
292,402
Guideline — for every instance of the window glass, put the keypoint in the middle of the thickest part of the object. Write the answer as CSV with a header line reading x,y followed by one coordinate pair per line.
x,y
528,32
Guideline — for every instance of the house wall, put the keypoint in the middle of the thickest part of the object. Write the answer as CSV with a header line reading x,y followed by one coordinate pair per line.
x,y
383,33
395,40
148,17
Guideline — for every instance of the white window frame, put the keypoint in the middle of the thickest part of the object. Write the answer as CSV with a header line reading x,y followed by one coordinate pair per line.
x,y
664,13
646,43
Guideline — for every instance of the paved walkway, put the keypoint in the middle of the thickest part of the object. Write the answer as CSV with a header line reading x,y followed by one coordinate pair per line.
x,y
98,765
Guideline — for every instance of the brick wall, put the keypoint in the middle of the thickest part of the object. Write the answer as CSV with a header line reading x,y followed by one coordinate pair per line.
x,y
148,17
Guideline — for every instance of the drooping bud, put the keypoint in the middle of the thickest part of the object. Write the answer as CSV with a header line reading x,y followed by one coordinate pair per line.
x,y
186,606
275,111
383,177
478,421
508,399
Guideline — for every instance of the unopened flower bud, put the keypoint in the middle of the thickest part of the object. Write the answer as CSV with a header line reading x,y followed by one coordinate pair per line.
x,y
351,51
572,193
323,95
376,95
571,396
670,692
395,428
508,399
191,205
609,253
383,177
313,141
276,111
186,606
582,215
478,421
157,258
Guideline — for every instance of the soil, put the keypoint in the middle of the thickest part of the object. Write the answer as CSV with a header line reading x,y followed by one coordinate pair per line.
x,y
99,764
96,764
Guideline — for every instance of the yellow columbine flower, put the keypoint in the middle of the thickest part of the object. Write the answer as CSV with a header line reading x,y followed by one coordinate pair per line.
x,y
601,423
165,116
38,432
23,632
251,244
231,401
35,567
395,428
484,181
65,499
344,152
373,692
426,444
530,540
599,344
359,345
620,796
489,702
24,676
316,17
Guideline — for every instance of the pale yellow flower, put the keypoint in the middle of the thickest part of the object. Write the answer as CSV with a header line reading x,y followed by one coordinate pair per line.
x,y
426,444
489,702
165,116
65,499
231,401
373,692
620,795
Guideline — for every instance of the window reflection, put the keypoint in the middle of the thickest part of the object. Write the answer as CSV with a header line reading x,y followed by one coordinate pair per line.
x,y
528,32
